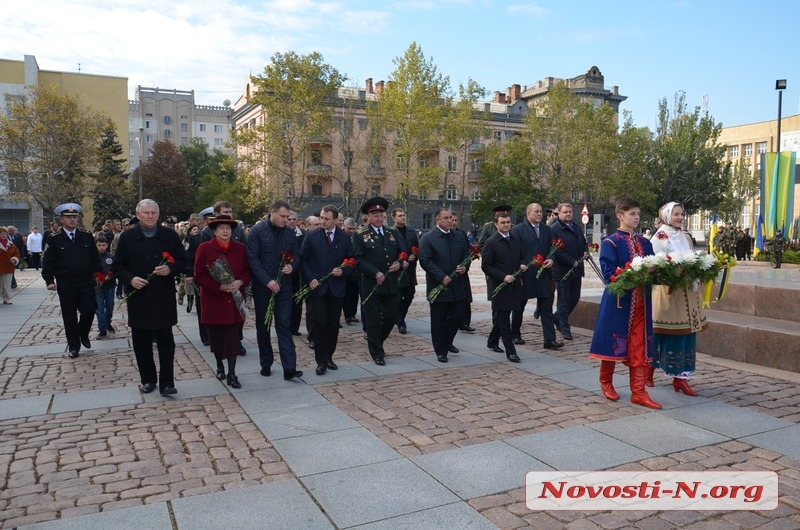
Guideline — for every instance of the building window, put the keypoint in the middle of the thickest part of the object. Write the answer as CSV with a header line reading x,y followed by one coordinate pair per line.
x,y
423,195
316,157
131,137
761,147
424,161
452,163
451,194
217,128
130,124
400,163
476,165
362,124
375,189
184,117
184,127
219,142
316,189
733,151
376,160
149,138
427,221
498,136
184,140
133,152
148,124
476,193
202,127
347,158
748,150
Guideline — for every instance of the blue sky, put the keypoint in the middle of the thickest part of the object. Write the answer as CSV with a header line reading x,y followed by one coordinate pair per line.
x,y
729,53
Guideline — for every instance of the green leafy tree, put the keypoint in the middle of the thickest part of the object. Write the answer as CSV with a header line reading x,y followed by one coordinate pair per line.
x,y
631,177
408,118
742,187
166,180
686,163
199,162
49,144
295,93
114,194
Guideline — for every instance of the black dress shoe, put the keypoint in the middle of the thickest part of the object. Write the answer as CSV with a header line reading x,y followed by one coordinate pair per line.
x,y
242,350
296,333
220,372
288,376
380,361
311,344
514,358
441,358
553,344
468,329
519,340
205,342
348,320
452,349
86,342
73,353
266,372
233,381
355,319
148,387
536,314
332,366
169,390
402,330
497,349
567,335
320,370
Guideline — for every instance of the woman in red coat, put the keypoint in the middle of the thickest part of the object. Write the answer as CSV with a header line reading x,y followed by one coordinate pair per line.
x,y
221,270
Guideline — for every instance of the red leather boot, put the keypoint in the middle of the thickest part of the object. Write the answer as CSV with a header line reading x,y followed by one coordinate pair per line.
x,y
639,395
649,379
606,380
682,385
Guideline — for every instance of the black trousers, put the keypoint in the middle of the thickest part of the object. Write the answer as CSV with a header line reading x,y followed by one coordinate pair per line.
x,y
76,297
350,303
200,325
405,296
569,294
545,308
446,318
380,314
325,311
501,330
143,348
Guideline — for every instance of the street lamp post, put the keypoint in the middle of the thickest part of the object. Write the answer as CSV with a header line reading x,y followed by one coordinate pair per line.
x,y
141,157
780,86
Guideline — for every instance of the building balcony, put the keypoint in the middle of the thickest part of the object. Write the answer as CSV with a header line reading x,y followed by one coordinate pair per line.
x,y
473,176
320,140
318,169
377,171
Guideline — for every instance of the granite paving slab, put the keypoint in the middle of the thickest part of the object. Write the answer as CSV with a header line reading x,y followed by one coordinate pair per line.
x,y
345,372
458,515
785,440
546,365
583,379
31,351
567,449
481,469
303,421
374,492
282,505
190,388
330,451
93,399
23,407
150,516
657,433
292,395
463,358
728,420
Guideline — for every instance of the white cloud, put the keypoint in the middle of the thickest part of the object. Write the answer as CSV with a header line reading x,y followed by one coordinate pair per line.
x,y
530,9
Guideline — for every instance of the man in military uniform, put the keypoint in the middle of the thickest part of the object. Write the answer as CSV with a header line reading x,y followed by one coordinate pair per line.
x,y
377,249
776,244
68,267
406,285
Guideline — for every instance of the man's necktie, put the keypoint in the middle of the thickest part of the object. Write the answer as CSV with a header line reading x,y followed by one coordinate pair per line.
x,y
330,236
72,236
536,227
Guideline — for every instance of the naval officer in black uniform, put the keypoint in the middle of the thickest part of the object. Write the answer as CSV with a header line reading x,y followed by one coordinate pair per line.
x,y
68,267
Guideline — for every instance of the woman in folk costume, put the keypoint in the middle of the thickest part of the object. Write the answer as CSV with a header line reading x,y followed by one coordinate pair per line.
x,y
624,328
677,313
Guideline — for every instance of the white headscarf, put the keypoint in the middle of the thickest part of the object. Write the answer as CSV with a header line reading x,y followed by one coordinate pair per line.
x,y
668,238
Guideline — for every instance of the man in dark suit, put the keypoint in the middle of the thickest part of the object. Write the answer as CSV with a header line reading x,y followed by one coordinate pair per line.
x,y
501,257
195,241
442,251
350,304
68,267
322,254
569,258
407,284
536,239
268,243
377,250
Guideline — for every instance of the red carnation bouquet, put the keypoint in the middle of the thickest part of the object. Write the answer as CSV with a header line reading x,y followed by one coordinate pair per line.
x,y
404,257
557,245
166,257
101,278
536,261
301,295
286,258
474,253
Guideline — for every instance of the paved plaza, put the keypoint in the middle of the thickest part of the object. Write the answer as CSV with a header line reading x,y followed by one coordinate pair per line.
x,y
415,444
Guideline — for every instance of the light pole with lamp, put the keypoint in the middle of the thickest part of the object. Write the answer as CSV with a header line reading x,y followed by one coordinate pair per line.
x,y
780,86
141,156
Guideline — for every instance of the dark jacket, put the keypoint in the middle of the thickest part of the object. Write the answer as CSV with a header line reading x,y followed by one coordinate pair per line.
x,y
67,260
574,249
319,258
531,246
265,245
502,256
439,255
376,254
154,306
408,239
107,262
218,306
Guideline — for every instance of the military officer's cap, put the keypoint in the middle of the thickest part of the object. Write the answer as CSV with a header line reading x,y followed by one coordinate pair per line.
x,y
375,204
69,209
501,208
208,212
134,220
126,221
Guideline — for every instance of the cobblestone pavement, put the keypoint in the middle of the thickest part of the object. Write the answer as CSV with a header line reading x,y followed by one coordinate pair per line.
x,y
63,465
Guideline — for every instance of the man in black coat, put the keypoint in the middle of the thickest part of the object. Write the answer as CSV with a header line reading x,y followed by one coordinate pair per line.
x,y
149,257
322,254
569,258
194,242
406,286
68,267
442,251
501,257
536,239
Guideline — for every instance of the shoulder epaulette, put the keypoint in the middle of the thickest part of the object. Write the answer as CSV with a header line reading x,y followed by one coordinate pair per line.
x,y
362,230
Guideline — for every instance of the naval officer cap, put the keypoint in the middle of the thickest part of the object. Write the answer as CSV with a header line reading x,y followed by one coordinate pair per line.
x,y
375,204
208,212
502,208
69,209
